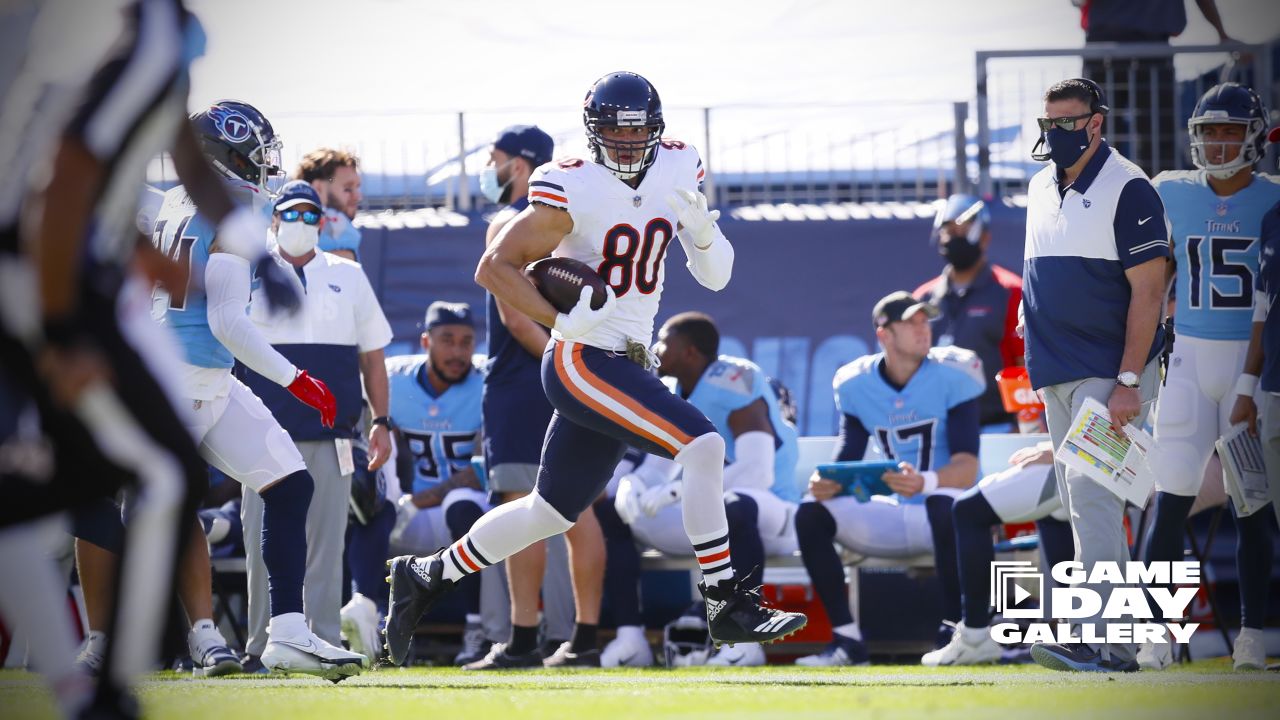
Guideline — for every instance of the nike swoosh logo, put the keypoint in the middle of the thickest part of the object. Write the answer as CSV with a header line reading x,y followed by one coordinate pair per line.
x,y
627,659
735,661
1144,221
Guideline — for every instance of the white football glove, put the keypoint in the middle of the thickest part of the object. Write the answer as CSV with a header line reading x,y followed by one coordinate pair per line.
x,y
699,223
582,319
656,498
405,511
627,500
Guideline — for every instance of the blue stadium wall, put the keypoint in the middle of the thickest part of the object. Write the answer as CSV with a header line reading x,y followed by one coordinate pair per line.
x,y
799,304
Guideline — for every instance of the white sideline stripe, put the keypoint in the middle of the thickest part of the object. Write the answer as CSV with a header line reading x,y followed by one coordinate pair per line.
x,y
566,348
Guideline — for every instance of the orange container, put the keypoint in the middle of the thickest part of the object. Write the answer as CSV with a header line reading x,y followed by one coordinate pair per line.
x,y
1015,390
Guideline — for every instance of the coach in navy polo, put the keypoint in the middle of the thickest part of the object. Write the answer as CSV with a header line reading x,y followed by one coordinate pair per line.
x,y
339,334
1096,254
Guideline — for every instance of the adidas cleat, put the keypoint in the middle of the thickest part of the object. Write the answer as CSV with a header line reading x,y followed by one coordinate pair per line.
x,y
736,615
414,590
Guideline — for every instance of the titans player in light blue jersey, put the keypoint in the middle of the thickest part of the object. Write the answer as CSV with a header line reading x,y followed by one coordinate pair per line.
x,y
919,405
234,430
1216,213
435,411
761,491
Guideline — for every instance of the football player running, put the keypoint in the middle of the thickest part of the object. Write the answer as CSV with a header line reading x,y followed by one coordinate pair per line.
x,y
235,431
1216,212
617,213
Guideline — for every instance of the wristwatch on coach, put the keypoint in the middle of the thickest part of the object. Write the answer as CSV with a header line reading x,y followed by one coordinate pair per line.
x,y
385,421
1128,379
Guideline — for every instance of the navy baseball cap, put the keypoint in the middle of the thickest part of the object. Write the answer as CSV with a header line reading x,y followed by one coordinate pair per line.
x,y
900,305
447,313
296,192
528,142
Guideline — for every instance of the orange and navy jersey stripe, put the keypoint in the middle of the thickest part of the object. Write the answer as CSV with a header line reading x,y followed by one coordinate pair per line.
x,y
614,404
548,193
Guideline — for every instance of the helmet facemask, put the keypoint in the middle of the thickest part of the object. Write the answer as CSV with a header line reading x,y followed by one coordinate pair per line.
x,y
1250,148
641,152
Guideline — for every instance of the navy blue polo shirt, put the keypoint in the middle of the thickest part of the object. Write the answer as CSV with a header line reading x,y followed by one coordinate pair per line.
x,y
1081,238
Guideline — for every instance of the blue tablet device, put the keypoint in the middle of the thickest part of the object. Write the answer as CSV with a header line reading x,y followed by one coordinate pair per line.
x,y
861,479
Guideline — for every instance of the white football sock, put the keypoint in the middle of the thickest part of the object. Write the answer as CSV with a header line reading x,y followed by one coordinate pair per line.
x,y
851,631
703,506
501,533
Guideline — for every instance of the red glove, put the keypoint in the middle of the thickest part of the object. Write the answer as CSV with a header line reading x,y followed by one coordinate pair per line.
x,y
316,394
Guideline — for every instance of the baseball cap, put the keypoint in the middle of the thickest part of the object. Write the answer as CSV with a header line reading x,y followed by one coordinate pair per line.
x,y
900,305
447,313
526,141
296,192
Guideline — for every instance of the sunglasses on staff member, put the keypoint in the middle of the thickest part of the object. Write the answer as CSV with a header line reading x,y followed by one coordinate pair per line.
x,y
310,217
1062,123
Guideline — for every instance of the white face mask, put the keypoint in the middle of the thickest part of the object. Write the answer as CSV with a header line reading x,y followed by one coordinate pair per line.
x,y
297,238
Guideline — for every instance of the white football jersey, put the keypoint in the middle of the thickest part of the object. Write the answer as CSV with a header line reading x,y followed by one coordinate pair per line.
x,y
622,232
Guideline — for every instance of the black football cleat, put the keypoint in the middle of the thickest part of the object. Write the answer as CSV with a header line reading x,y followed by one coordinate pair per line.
x,y
413,592
734,615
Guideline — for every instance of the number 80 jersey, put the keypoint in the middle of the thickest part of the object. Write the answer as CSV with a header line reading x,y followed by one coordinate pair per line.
x,y
1215,247
622,232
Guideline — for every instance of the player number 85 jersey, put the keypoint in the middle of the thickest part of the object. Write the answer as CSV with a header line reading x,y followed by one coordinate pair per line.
x,y
622,232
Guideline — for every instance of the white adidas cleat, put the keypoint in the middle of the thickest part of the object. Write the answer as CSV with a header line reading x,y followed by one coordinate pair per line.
x,y
968,646
1250,651
1155,655
360,618
738,655
309,655
629,649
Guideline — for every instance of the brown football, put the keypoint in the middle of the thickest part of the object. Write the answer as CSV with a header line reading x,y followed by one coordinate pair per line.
x,y
560,280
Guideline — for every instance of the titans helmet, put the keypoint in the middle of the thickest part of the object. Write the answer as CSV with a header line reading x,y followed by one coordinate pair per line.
x,y
786,401
623,99
686,641
961,208
239,141
1235,104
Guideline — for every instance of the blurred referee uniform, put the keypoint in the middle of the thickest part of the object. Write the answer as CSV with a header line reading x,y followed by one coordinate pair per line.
x,y
339,336
94,314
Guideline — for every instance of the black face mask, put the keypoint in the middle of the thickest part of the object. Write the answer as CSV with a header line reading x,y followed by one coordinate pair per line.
x,y
960,253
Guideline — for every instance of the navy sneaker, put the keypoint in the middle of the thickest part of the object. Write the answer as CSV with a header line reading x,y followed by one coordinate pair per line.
x,y
499,659
1078,658
840,651
735,614
565,657
413,592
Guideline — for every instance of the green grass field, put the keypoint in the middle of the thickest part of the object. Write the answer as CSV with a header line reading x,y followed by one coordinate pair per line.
x,y
1205,690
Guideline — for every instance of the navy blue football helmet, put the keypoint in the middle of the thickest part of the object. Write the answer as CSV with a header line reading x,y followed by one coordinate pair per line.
x,y
623,99
239,141
1235,104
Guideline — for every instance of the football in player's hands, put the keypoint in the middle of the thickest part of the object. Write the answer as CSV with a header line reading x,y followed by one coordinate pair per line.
x,y
560,280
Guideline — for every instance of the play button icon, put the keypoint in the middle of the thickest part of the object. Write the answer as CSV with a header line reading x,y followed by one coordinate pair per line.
x,y
1019,594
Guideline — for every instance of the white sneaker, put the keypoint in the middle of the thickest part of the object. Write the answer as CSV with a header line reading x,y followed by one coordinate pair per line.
x,y
210,656
738,655
628,649
312,656
90,658
1155,656
1250,651
968,646
360,620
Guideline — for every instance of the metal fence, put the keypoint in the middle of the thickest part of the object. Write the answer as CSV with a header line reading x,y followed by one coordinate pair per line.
x,y
1152,89
755,154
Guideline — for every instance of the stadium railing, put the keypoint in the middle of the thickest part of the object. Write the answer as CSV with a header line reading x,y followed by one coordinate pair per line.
x,y
1152,89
